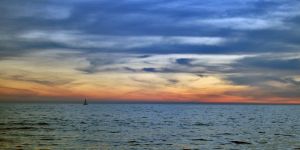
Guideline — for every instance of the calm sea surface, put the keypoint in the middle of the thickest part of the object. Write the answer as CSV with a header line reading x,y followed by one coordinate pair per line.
x,y
149,126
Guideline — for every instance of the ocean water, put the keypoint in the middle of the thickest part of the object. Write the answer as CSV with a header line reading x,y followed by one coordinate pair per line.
x,y
149,126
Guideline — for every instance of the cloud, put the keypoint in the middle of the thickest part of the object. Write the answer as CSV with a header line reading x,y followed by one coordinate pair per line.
x,y
184,61
149,69
36,10
150,27
268,75
240,23
49,68
267,86
79,40
285,63
40,80
192,63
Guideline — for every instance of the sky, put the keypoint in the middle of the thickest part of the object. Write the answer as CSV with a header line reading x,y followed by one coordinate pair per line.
x,y
216,51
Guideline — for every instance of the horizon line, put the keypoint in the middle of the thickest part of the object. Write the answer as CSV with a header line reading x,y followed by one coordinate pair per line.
x,y
146,102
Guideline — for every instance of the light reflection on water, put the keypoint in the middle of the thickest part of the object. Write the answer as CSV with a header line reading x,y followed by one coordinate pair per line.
x,y
149,126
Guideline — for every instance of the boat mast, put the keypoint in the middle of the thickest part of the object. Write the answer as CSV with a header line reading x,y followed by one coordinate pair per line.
x,y
85,102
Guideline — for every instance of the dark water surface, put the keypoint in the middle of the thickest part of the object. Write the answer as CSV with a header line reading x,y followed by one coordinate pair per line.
x,y
149,126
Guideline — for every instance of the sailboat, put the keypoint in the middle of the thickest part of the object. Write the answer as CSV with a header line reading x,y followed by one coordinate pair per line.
x,y
85,102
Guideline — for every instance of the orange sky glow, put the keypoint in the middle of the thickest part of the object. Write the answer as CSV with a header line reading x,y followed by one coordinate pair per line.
x,y
43,75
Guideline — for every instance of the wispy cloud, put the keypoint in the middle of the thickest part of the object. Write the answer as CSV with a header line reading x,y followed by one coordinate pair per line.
x,y
241,23
190,63
80,40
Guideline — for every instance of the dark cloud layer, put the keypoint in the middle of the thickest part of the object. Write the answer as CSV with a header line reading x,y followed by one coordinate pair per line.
x,y
250,26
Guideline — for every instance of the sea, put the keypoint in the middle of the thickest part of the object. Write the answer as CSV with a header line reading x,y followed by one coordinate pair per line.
x,y
148,126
